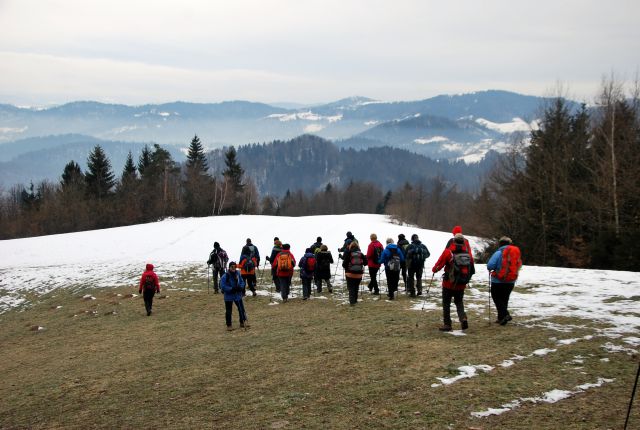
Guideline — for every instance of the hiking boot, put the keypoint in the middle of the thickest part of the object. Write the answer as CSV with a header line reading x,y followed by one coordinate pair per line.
x,y
253,292
330,290
464,324
505,320
305,298
229,328
376,293
216,291
445,327
419,292
148,313
411,295
244,324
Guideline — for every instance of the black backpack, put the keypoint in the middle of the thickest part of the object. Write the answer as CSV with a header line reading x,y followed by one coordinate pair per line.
x,y
249,265
322,259
148,283
377,252
419,253
460,273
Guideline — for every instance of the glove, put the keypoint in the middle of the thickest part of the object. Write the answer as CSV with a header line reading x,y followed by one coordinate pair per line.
x,y
268,259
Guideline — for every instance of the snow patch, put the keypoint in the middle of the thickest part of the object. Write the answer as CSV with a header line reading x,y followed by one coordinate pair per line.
x,y
434,139
516,124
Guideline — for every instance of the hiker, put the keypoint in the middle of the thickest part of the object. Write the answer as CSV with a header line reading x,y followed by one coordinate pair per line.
x,y
392,258
253,251
504,266
345,246
403,244
315,248
285,262
248,265
353,262
307,266
232,286
457,260
324,260
417,253
149,286
218,258
277,247
374,251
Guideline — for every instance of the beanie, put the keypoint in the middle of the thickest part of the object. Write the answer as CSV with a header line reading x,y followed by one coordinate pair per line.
x,y
216,245
286,246
400,236
414,237
457,229
318,239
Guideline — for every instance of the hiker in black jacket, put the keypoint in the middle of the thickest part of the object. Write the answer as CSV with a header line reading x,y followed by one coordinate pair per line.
x,y
324,260
416,254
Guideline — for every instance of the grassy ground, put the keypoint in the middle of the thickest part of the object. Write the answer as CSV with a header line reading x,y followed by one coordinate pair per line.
x,y
305,364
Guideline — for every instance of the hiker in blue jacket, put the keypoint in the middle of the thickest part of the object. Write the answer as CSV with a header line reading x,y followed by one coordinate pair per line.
x,y
232,286
307,265
392,258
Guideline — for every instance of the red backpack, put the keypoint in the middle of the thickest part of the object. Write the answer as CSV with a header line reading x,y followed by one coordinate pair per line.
x,y
311,264
511,264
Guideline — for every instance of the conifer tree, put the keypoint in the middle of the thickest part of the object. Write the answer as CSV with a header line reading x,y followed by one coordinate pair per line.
x,y
129,171
234,171
72,175
196,159
99,177
144,161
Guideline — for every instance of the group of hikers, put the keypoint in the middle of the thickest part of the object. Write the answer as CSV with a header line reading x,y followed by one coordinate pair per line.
x,y
403,258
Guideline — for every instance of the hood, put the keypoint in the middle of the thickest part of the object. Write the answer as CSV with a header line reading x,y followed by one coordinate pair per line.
x,y
392,245
149,267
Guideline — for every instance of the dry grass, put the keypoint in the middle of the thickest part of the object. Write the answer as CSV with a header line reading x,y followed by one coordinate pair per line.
x,y
313,364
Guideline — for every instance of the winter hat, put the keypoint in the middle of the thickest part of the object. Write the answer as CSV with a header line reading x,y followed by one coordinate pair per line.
x,y
286,246
414,237
350,235
318,239
457,229
373,236
276,238
149,266
232,263
389,240
216,245
248,241
504,240
400,236
458,238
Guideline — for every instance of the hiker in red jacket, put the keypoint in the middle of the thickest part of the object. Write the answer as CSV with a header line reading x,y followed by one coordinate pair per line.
x,y
457,260
149,286
374,251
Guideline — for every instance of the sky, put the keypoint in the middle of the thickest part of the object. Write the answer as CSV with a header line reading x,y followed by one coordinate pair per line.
x,y
310,51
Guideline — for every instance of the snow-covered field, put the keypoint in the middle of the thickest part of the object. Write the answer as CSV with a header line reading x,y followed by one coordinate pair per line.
x,y
116,257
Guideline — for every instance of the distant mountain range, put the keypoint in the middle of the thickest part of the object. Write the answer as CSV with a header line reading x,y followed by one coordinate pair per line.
x,y
458,127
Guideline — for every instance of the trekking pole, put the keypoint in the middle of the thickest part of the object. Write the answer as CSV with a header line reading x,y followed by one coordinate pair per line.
x,y
207,279
489,300
633,393
426,296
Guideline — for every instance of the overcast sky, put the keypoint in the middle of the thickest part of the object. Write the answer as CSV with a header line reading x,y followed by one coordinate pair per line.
x,y
308,51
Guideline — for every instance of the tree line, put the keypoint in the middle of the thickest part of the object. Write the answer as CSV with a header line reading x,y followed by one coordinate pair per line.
x,y
155,187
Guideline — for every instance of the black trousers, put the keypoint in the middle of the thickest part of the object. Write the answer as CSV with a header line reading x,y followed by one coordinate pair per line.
x,y
148,294
373,283
276,280
306,287
393,278
215,274
228,306
500,294
415,274
285,286
403,268
318,280
353,284
250,282
457,296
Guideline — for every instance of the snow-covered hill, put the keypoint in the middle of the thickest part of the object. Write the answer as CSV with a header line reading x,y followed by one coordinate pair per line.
x,y
116,257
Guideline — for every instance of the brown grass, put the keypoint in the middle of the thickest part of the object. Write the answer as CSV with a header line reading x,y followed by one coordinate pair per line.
x,y
312,364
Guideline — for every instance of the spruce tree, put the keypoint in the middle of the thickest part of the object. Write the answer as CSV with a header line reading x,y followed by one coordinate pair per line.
x,y
129,171
144,161
99,177
234,171
196,159
72,175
